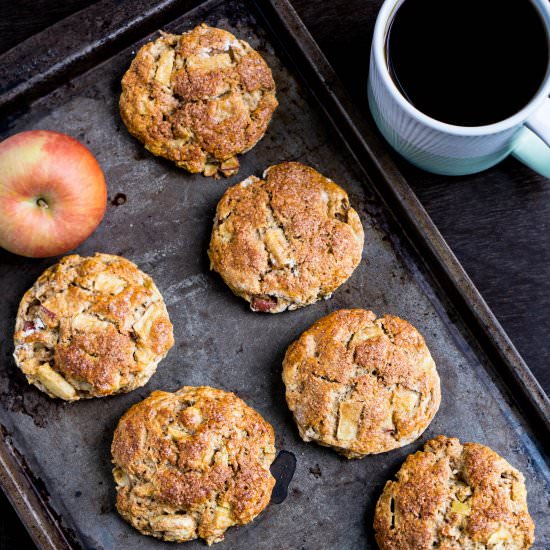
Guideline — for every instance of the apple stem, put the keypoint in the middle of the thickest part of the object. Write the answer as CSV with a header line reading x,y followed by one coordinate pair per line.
x,y
42,203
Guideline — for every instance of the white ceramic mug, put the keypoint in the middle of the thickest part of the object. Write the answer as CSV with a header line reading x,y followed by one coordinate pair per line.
x,y
456,150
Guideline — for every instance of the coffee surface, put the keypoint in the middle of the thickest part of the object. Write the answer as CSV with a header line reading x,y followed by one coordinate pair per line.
x,y
467,62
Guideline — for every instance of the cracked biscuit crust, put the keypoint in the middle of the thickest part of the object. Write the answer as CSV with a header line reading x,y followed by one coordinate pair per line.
x,y
192,464
287,240
359,384
198,99
454,497
91,327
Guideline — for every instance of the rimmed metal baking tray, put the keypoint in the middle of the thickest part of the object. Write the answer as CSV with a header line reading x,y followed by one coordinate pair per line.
x,y
55,457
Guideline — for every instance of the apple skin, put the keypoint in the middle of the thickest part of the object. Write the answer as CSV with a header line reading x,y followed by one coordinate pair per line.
x,y
52,193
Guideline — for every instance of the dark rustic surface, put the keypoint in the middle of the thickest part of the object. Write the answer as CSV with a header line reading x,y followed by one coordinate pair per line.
x,y
496,222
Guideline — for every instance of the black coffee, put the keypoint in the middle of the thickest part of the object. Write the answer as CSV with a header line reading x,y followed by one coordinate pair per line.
x,y
467,62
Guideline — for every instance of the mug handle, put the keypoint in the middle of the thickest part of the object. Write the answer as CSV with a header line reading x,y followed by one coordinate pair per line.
x,y
533,143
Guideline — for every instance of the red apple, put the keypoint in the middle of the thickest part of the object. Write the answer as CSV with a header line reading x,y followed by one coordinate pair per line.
x,y
52,193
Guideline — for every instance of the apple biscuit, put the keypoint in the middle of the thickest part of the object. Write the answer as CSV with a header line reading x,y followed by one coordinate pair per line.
x,y
287,240
91,327
359,384
191,464
453,496
198,99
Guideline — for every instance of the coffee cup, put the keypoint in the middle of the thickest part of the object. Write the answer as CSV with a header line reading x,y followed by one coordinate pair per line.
x,y
451,149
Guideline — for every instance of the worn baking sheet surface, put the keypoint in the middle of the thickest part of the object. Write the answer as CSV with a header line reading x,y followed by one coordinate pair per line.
x,y
164,226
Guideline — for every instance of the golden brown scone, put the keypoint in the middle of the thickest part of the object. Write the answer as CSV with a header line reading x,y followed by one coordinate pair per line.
x,y
454,497
198,99
287,240
192,464
359,384
91,327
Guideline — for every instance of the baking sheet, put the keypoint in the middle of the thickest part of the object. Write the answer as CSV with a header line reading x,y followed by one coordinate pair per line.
x,y
164,226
